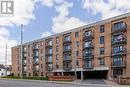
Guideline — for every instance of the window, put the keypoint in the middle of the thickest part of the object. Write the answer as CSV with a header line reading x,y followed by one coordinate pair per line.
x,y
57,65
102,61
50,59
102,50
101,39
119,25
49,51
77,43
67,47
77,62
57,40
50,43
36,60
117,72
57,48
67,38
57,56
76,34
102,29
88,64
117,38
117,61
77,53
117,49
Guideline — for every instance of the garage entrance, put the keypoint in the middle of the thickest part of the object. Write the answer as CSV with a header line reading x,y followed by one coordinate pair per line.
x,y
95,74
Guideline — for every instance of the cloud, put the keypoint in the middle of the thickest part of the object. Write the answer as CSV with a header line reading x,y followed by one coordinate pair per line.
x,y
23,13
62,22
48,3
107,8
69,23
45,34
4,34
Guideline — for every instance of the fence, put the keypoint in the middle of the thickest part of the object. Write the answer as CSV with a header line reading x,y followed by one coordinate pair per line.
x,y
61,78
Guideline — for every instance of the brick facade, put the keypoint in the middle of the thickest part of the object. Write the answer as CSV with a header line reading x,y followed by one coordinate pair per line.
x,y
100,48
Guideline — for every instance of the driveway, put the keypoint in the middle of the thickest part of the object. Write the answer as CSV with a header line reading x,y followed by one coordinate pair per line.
x,y
94,81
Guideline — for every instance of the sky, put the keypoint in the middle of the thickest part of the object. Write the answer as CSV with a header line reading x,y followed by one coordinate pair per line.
x,y
43,18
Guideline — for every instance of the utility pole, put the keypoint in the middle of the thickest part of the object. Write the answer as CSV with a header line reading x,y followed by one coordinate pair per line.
x,y
6,60
21,53
75,59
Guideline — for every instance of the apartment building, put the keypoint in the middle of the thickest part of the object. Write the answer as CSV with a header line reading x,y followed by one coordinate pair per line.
x,y
97,50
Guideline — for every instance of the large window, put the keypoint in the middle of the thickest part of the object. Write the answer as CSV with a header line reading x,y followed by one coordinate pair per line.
x,y
50,43
117,49
118,37
67,47
88,64
67,38
102,40
49,51
117,61
119,25
50,59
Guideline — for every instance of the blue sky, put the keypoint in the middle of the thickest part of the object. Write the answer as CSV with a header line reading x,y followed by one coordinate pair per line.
x,y
42,18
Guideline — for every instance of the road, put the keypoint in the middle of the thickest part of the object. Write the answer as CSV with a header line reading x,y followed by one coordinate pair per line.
x,y
25,83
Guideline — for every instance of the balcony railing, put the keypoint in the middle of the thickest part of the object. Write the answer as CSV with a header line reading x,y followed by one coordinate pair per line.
x,y
88,55
122,40
121,28
65,59
121,52
67,51
119,64
66,42
48,46
90,46
67,68
88,66
88,37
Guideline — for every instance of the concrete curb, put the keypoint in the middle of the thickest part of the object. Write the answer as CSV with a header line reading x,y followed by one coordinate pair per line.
x,y
60,82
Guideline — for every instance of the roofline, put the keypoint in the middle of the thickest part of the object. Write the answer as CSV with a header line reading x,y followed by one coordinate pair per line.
x,y
82,27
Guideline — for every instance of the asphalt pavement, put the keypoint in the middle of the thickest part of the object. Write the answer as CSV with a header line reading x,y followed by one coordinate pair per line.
x,y
33,83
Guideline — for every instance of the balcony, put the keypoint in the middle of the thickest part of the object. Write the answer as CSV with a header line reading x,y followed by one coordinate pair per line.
x,y
90,46
120,40
66,42
67,51
88,65
88,55
119,27
67,68
88,37
66,59
49,54
120,64
48,46
121,52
